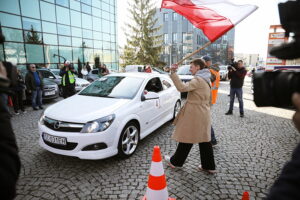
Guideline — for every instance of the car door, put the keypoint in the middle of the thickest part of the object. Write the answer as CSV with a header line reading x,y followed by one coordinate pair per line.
x,y
150,109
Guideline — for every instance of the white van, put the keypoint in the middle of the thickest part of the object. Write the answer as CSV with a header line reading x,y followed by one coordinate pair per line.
x,y
134,68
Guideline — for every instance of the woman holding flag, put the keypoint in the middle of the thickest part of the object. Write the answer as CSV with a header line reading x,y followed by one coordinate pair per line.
x,y
188,130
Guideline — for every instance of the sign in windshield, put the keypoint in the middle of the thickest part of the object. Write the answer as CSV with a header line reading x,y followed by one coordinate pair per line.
x,y
114,87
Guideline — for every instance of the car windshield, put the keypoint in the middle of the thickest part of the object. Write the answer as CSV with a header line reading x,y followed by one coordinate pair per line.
x,y
184,70
56,72
114,87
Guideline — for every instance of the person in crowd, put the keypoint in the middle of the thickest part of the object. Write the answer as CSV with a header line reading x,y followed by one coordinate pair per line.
x,y
103,70
189,131
148,69
18,94
9,158
88,67
34,85
236,75
68,81
84,72
286,187
215,82
167,69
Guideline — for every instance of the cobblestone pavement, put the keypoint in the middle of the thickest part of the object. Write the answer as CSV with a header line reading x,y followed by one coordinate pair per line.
x,y
250,155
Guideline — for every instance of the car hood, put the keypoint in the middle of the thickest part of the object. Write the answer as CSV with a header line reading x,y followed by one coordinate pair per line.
x,y
81,109
186,77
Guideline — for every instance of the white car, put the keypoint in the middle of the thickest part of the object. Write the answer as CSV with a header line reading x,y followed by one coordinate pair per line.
x,y
223,73
109,116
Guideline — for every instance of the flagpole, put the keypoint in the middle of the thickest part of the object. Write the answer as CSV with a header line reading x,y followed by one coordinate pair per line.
x,y
193,53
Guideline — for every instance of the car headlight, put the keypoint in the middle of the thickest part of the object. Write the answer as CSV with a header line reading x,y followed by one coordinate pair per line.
x,y
41,120
98,125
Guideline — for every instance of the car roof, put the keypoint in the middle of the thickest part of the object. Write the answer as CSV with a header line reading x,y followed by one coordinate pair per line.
x,y
138,74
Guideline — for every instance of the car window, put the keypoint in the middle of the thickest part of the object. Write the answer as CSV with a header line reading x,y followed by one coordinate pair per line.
x,y
154,85
56,72
114,87
47,74
95,71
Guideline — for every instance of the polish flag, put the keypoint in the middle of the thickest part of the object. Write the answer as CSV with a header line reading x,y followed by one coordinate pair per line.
x,y
214,17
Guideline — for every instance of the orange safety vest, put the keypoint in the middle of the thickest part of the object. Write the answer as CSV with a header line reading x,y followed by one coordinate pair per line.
x,y
215,86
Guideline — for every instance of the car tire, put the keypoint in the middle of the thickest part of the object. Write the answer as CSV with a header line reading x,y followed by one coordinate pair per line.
x,y
129,140
176,109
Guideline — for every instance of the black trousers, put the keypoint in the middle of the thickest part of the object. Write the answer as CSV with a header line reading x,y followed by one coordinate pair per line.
x,y
68,91
206,155
18,100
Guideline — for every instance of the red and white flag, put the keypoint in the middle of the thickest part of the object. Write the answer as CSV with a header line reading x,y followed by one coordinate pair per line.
x,y
214,17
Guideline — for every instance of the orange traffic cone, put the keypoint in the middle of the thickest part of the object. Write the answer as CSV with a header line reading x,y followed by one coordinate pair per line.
x,y
246,196
157,185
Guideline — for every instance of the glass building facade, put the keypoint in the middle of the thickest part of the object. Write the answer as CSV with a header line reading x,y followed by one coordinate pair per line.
x,y
37,30
181,38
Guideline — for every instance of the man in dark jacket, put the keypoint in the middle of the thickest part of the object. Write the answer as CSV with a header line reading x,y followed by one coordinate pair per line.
x,y
34,84
236,75
9,158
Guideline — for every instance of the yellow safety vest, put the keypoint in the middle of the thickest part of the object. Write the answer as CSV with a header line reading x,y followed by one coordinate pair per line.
x,y
71,78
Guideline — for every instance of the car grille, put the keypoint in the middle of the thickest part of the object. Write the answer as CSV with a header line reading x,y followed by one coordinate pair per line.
x,y
69,146
62,126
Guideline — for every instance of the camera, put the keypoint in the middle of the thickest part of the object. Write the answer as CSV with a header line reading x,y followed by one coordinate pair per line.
x,y
276,88
233,64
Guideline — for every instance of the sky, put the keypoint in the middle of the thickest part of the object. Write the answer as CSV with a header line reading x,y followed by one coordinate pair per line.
x,y
251,35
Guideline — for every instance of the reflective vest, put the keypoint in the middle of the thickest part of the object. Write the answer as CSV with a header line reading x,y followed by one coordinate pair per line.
x,y
71,78
215,86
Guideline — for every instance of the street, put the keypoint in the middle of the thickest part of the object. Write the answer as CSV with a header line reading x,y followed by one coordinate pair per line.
x,y
249,157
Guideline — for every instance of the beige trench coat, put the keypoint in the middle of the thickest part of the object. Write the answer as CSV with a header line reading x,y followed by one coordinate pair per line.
x,y
193,122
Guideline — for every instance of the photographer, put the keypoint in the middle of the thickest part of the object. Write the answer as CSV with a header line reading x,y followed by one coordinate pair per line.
x,y
68,80
9,158
236,74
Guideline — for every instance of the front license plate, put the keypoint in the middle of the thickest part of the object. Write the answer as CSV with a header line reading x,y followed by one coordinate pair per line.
x,y
49,93
54,139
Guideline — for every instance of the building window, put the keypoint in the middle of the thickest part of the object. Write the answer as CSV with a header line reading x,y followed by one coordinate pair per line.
x,y
64,3
49,27
11,6
48,11
49,39
87,19
175,16
34,53
75,18
10,20
165,17
75,5
49,52
14,52
76,32
12,35
30,8
96,24
63,30
166,38
87,34
174,38
63,40
86,9
76,42
63,15
29,24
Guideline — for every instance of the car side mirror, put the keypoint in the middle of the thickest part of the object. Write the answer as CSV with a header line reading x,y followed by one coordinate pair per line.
x,y
149,96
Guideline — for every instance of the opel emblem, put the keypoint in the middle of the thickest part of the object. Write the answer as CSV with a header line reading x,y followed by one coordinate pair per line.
x,y
56,125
